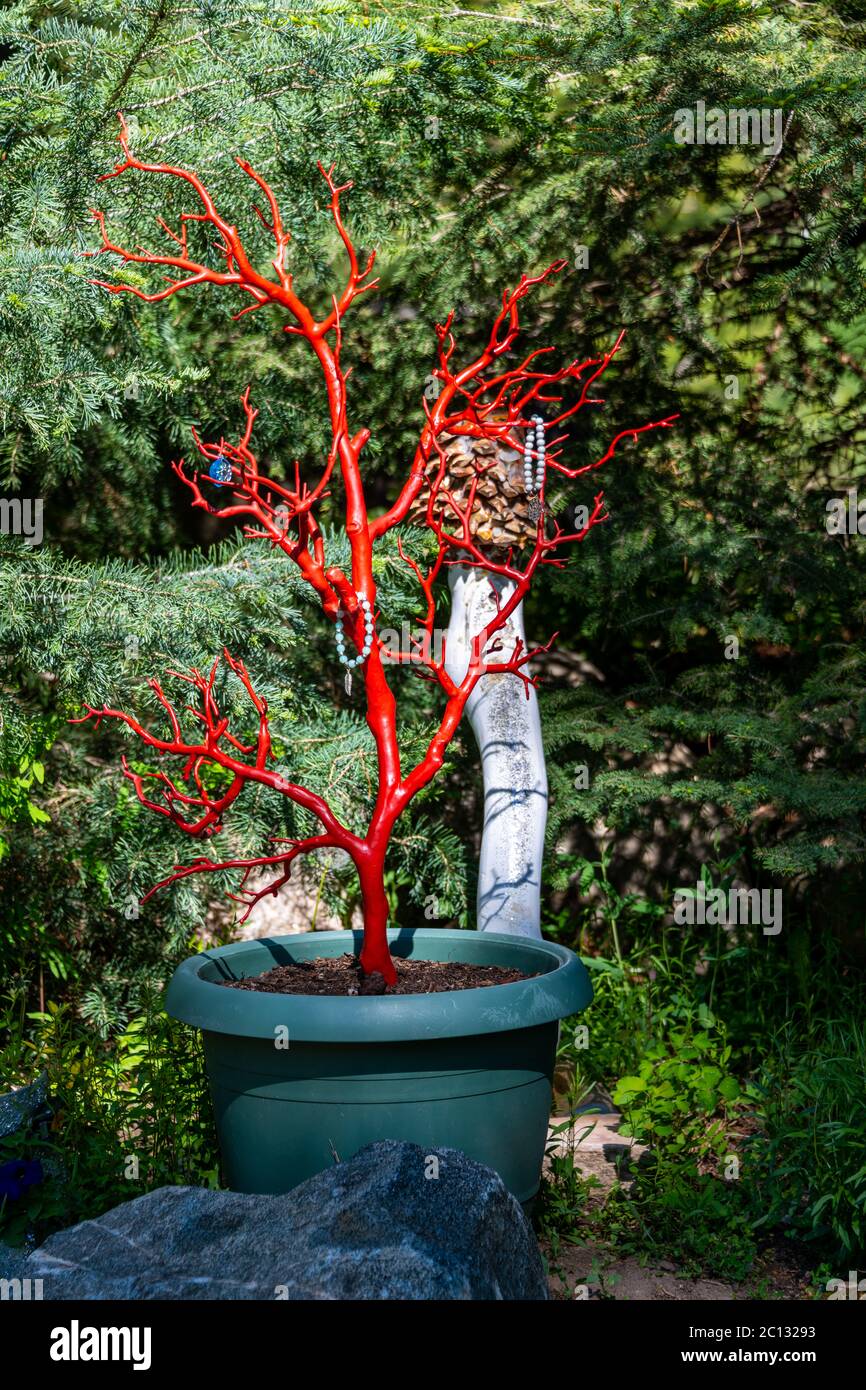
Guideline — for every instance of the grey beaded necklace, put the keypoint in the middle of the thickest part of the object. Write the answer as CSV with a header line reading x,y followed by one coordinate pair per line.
x,y
351,662
534,443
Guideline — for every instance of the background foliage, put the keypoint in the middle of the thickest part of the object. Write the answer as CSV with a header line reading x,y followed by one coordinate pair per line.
x,y
483,142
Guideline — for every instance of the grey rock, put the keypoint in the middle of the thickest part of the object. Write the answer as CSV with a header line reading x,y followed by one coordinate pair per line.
x,y
376,1227
14,1264
17,1108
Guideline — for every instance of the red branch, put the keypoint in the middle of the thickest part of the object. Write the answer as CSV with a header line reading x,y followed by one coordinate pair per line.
x,y
484,400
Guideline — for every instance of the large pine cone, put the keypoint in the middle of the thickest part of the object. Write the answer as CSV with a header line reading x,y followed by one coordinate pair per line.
x,y
501,517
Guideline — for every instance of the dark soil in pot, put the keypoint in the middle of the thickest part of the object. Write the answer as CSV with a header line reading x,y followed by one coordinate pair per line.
x,y
336,975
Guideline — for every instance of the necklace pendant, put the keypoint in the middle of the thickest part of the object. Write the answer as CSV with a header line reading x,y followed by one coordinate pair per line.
x,y
535,508
348,682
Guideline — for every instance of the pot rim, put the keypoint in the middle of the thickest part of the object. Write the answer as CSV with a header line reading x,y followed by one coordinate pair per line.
x,y
564,988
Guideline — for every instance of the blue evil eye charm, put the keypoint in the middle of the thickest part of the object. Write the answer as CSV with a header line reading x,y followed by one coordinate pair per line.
x,y
220,470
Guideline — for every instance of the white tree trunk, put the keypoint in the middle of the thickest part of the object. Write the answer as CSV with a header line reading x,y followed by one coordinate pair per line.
x,y
508,730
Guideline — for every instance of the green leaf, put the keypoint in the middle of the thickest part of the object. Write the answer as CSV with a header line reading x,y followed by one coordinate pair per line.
x,y
729,1088
629,1086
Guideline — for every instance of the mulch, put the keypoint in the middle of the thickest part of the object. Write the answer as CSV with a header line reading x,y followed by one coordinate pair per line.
x,y
343,975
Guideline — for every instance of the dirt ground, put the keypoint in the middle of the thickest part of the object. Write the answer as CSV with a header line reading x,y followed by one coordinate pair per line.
x,y
591,1271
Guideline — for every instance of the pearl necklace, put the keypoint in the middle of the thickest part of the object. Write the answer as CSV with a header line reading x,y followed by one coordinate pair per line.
x,y
351,662
534,443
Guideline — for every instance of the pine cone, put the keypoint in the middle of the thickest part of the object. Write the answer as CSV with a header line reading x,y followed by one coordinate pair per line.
x,y
501,517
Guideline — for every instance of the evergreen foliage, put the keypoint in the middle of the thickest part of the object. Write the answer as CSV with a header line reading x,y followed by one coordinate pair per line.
x,y
481,144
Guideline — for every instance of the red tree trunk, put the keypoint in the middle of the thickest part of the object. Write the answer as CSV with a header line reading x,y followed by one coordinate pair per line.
x,y
375,956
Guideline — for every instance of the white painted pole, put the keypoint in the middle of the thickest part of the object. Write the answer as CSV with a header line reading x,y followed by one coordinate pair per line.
x,y
508,730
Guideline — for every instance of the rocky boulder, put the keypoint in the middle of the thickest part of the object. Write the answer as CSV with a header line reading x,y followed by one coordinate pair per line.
x,y
24,1107
395,1222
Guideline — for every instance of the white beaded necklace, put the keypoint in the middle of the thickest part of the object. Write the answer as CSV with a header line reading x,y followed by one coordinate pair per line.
x,y
351,662
534,443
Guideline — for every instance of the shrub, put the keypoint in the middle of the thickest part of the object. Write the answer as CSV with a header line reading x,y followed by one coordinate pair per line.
x,y
126,1116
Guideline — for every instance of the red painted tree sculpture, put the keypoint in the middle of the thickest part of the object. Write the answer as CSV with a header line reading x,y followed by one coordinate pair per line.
x,y
484,399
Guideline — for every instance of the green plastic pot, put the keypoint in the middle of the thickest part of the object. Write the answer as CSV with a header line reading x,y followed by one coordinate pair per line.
x,y
469,1069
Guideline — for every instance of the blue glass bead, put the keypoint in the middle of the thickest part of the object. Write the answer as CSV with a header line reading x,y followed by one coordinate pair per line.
x,y
220,470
